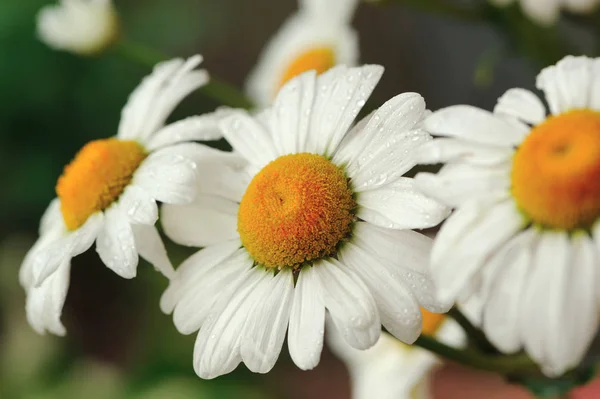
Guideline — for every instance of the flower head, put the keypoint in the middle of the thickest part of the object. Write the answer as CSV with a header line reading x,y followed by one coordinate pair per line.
x,y
526,231
108,193
84,27
546,12
317,37
315,216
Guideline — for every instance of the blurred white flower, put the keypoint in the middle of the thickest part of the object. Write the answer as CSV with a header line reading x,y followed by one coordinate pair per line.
x,y
319,36
526,232
108,194
391,369
80,26
308,214
546,12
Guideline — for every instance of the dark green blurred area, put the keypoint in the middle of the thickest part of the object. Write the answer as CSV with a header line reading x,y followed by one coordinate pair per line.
x,y
119,344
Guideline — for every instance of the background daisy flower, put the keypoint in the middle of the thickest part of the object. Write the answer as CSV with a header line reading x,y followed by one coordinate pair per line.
x,y
108,193
318,36
321,220
546,12
80,26
391,369
526,232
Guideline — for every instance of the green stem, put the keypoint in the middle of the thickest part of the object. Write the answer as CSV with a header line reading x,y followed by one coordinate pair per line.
x,y
475,335
502,364
217,89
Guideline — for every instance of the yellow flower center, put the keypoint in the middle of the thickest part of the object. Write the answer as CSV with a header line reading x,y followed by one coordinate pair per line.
x,y
431,321
319,59
96,178
296,209
556,171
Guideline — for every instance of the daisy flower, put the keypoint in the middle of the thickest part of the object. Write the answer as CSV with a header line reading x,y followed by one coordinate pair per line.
x,y
391,369
84,27
526,230
546,12
108,193
319,219
318,36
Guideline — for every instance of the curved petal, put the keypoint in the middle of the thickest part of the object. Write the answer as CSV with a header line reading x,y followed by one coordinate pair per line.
x,y
474,124
189,274
399,205
522,105
466,240
150,247
208,220
265,327
44,303
116,245
398,309
217,348
393,129
350,304
138,205
456,150
248,137
567,84
341,93
405,254
51,218
168,175
504,302
157,95
307,320
193,128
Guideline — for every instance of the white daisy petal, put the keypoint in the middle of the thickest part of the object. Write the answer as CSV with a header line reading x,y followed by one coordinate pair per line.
x,y
116,245
457,183
51,218
466,240
289,113
595,85
341,93
216,351
45,303
392,129
540,311
266,325
168,177
350,303
150,247
542,12
577,316
206,221
521,104
193,128
191,271
138,205
307,320
567,84
474,124
249,138
203,290
399,205
452,150
405,253
399,310
501,314
338,11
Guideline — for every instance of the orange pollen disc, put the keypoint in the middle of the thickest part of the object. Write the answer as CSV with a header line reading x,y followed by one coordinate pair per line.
x,y
556,171
431,321
319,59
296,209
96,178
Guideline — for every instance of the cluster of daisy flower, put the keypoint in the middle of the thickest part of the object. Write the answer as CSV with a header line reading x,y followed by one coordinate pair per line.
x,y
310,223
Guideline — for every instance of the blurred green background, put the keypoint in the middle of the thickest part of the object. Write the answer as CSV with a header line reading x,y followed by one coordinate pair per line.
x,y
119,344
